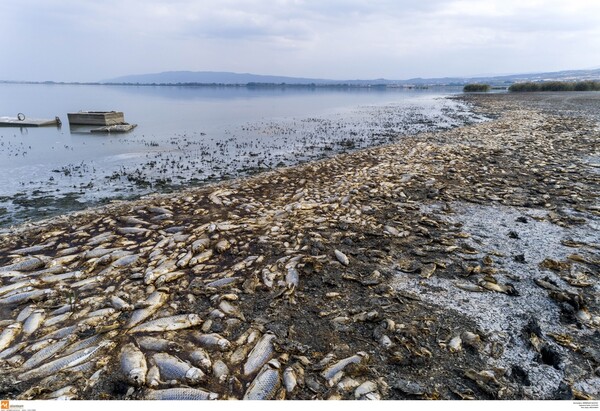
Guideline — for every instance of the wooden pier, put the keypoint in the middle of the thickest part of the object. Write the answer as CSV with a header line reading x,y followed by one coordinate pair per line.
x,y
22,121
117,128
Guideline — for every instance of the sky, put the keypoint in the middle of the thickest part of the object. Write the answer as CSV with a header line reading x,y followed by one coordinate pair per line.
x,y
90,40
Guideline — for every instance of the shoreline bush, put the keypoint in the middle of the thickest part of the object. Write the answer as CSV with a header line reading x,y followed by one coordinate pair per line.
x,y
473,88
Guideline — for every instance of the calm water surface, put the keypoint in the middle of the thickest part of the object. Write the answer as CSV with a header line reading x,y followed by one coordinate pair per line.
x,y
190,135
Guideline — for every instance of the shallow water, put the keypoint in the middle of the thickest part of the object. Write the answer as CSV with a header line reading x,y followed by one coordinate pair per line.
x,y
190,135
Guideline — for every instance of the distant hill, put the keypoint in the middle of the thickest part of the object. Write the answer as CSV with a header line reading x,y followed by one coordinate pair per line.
x,y
217,77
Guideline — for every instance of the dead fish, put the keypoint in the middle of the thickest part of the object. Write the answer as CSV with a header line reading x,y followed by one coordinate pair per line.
x,y
132,230
455,344
200,245
62,363
27,264
261,353
231,310
132,220
15,348
470,287
154,301
172,368
21,284
365,389
334,369
185,394
57,319
214,341
133,365
32,295
46,353
56,278
126,261
341,257
220,371
201,359
266,383
157,344
33,322
222,246
152,274
176,322
201,258
153,375
289,379
119,304
33,249
185,260
9,334
167,278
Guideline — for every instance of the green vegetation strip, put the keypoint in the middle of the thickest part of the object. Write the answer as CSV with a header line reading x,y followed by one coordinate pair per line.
x,y
556,86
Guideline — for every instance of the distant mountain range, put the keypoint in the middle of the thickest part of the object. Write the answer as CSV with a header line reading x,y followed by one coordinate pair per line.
x,y
216,77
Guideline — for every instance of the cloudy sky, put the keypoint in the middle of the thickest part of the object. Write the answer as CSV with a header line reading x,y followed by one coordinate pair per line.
x,y
91,40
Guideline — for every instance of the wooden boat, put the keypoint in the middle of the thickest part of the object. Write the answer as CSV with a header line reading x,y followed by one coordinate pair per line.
x,y
116,128
96,118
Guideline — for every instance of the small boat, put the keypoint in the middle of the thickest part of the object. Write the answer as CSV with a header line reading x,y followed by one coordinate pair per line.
x,y
116,128
96,118
22,121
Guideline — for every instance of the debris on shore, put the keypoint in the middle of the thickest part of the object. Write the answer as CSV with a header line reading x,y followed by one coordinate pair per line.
x,y
454,265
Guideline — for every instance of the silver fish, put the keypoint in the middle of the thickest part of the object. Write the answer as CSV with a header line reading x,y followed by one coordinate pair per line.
x,y
201,359
33,295
133,365
201,258
172,368
62,363
76,275
266,383
27,264
341,257
154,301
57,319
89,342
220,371
176,322
167,278
185,394
289,379
15,286
213,341
334,369
12,350
119,304
157,344
126,261
46,353
33,322
260,354
9,334
200,245
152,274
33,249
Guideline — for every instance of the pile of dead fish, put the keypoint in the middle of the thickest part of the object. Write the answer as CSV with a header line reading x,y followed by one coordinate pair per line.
x,y
272,287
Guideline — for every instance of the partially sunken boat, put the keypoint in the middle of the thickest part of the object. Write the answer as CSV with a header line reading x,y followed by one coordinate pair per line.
x,y
96,118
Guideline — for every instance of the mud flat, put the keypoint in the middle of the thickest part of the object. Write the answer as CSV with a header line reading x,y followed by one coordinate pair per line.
x,y
453,265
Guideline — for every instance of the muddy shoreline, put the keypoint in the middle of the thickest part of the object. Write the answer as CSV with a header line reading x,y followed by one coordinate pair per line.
x,y
452,265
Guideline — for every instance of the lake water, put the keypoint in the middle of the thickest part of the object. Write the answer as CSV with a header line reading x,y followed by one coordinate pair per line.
x,y
190,135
